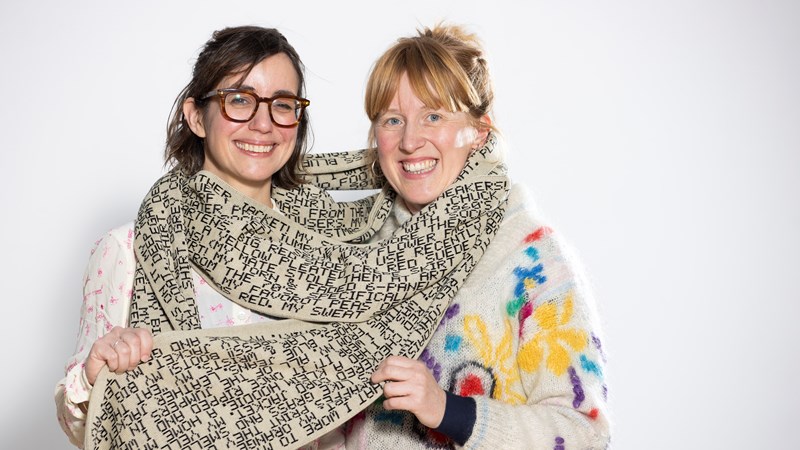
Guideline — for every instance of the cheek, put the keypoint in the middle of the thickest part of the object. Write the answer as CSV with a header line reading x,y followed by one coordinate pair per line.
x,y
386,142
218,129
455,163
289,135
464,137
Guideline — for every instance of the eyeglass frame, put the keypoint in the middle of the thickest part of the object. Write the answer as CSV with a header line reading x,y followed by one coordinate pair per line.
x,y
222,93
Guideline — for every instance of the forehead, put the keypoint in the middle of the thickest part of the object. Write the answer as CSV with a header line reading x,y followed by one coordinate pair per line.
x,y
413,90
273,73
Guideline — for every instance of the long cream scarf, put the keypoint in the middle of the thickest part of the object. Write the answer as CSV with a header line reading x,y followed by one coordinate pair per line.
x,y
349,306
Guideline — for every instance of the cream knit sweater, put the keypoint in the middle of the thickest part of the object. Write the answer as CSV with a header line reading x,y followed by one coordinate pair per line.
x,y
522,338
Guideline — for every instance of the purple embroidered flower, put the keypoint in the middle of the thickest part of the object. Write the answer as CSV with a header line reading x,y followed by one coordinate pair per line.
x,y
559,443
451,312
598,346
577,388
431,364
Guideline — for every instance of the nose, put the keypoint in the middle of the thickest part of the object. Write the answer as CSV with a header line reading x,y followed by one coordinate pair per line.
x,y
412,138
261,121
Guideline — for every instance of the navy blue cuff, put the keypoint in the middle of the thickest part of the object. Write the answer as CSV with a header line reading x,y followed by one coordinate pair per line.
x,y
459,418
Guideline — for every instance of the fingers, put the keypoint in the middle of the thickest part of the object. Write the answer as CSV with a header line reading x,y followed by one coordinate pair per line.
x,y
397,368
427,406
121,349
120,354
133,346
391,373
398,403
146,342
410,386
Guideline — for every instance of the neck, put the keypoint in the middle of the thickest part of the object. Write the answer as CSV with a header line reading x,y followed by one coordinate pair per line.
x,y
262,196
413,209
258,193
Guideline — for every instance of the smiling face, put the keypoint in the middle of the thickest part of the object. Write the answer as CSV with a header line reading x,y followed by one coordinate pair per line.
x,y
246,155
422,150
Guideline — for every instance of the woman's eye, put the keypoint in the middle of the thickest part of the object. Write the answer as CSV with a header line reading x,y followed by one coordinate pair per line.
x,y
240,100
434,117
392,121
284,105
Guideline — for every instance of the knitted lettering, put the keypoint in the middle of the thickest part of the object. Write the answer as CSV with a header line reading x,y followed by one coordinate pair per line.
x,y
282,384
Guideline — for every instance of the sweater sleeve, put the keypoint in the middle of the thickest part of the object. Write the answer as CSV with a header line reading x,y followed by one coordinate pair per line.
x,y
559,357
459,418
107,285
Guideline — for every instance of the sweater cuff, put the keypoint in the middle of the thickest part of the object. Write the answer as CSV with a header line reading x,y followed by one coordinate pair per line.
x,y
459,418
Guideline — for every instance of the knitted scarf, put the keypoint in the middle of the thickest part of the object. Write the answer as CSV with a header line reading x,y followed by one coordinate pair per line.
x,y
348,306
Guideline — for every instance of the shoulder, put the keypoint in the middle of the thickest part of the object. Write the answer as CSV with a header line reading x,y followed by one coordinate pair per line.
x,y
546,265
118,240
521,203
526,223
509,246
522,221
528,239
121,235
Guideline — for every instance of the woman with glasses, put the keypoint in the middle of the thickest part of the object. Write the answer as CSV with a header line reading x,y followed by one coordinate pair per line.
x,y
241,120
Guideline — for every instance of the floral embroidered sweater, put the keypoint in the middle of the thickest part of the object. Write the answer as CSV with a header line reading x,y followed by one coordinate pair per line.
x,y
522,338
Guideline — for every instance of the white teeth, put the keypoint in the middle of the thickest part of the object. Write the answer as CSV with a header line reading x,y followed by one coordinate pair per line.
x,y
419,167
255,148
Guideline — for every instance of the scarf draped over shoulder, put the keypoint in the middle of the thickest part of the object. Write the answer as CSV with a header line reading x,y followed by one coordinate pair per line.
x,y
347,304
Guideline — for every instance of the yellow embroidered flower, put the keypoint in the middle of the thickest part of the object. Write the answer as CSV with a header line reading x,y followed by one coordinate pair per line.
x,y
552,338
499,358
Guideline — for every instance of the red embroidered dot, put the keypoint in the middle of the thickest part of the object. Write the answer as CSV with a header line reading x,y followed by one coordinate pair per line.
x,y
594,413
538,234
438,437
471,386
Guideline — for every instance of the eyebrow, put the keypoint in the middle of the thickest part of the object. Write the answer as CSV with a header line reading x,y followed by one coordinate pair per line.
x,y
278,92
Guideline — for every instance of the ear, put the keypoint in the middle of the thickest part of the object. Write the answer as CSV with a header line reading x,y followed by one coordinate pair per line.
x,y
483,131
194,117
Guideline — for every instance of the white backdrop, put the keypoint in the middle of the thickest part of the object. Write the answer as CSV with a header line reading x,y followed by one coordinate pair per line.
x,y
661,138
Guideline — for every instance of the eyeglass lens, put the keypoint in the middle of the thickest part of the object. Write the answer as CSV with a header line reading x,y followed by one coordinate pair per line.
x,y
241,106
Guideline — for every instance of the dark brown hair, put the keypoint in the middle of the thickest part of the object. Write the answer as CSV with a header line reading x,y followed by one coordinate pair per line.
x,y
231,51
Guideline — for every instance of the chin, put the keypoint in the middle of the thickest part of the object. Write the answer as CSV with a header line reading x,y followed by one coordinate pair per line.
x,y
419,200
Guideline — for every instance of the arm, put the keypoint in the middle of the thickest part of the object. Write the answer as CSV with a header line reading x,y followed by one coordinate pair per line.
x,y
108,281
548,366
559,359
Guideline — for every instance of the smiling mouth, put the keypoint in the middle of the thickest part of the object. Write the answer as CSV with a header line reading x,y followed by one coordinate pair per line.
x,y
255,148
419,167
